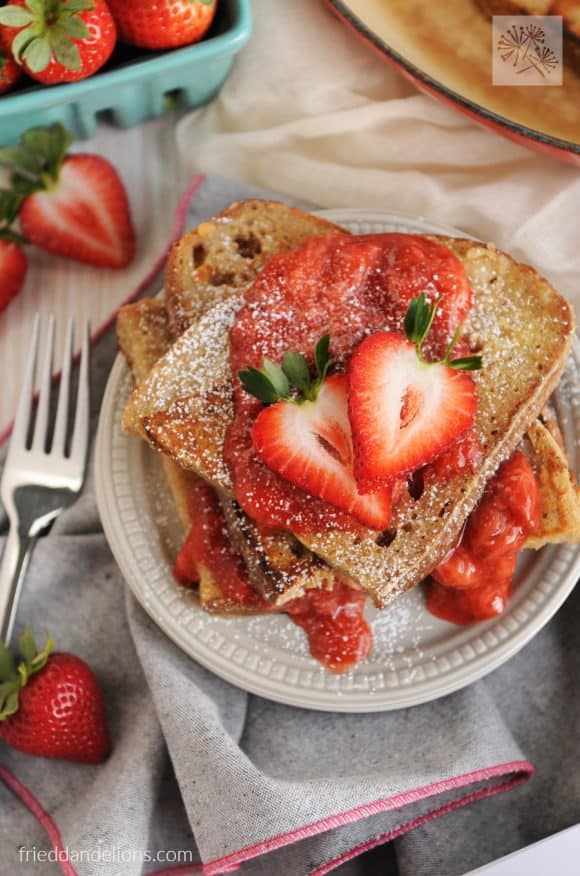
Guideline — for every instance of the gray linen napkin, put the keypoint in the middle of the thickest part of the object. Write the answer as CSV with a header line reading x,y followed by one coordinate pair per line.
x,y
201,771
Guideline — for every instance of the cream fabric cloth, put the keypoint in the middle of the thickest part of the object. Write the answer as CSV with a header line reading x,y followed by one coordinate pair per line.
x,y
311,112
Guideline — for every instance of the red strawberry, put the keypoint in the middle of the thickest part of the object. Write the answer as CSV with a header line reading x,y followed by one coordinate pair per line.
x,y
58,40
162,24
51,706
404,411
75,205
310,445
10,72
13,264
13,267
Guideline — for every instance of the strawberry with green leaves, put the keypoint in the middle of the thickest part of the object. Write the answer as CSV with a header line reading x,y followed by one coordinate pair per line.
x,y
51,704
72,205
58,40
162,24
13,262
404,410
304,434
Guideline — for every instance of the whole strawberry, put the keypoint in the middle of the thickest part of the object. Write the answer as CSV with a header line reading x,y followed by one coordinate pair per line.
x,y
13,263
58,40
10,72
51,704
73,205
162,24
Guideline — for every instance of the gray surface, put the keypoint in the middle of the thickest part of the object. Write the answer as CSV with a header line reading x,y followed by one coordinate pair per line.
x,y
196,758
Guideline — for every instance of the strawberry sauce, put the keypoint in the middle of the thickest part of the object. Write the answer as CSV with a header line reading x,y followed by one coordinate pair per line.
x,y
474,581
209,546
348,287
338,635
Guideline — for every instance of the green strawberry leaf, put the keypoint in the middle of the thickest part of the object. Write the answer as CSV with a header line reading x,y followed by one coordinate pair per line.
x,y
8,701
296,370
7,665
259,385
10,204
468,363
50,145
417,324
75,28
64,50
75,6
418,320
21,161
37,8
272,383
15,16
27,645
37,54
22,40
276,376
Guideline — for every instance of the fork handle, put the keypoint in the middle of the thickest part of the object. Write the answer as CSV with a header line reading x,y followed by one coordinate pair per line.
x,y
12,571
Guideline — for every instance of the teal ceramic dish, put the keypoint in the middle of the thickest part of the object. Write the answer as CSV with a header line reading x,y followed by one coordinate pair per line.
x,y
133,87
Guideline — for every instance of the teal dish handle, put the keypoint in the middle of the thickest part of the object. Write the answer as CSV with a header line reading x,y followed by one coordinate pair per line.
x,y
130,92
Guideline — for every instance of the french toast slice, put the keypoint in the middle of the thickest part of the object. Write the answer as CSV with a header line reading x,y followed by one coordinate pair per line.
x,y
519,323
560,496
143,337
222,257
280,568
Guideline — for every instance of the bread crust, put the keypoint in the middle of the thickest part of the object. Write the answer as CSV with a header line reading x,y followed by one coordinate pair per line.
x,y
222,256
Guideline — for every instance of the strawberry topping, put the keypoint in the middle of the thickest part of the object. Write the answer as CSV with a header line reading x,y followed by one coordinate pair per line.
x,y
473,582
403,411
310,445
338,634
349,287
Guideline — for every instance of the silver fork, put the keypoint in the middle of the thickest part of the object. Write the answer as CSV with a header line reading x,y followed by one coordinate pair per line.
x,y
41,478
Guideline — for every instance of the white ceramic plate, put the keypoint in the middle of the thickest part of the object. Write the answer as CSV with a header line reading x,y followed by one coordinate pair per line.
x,y
416,657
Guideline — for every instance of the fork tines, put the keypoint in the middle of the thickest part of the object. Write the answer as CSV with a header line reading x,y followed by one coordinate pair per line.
x,y
36,438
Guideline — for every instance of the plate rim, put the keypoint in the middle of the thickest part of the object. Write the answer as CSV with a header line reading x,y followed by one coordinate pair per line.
x,y
357,701
510,128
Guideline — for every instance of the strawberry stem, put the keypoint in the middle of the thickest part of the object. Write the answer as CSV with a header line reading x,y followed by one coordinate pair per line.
x,y
37,159
12,677
417,324
273,382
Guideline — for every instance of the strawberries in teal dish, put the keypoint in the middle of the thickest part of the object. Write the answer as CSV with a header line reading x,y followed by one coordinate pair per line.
x,y
58,40
162,24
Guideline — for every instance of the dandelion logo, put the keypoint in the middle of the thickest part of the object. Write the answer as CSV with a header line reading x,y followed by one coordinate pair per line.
x,y
527,50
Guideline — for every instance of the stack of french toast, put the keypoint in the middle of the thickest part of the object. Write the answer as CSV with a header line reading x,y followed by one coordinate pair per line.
x,y
187,399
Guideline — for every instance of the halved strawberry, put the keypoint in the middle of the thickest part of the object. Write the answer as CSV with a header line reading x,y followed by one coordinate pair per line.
x,y
403,410
310,444
74,205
